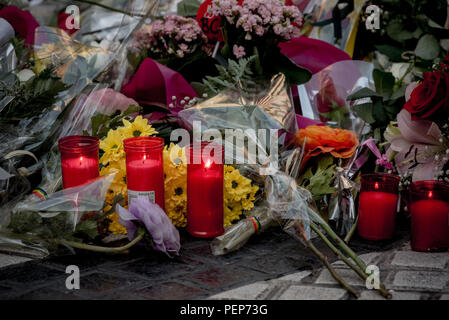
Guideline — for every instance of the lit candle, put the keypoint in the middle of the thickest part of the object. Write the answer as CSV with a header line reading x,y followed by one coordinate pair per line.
x,y
429,208
377,206
205,191
144,168
79,160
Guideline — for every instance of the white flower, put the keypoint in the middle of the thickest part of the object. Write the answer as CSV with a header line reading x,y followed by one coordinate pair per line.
x,y
401,70
25,75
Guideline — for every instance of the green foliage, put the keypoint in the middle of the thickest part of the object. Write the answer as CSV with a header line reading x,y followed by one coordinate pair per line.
x,y
188,8
29,98
318,178
385,103
102,123
237,74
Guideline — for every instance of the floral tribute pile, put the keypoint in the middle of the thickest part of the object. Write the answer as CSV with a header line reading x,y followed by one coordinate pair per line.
x,y
341,118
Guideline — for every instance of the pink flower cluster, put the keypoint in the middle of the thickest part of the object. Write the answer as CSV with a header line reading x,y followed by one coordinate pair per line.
x,y
261,17
173,36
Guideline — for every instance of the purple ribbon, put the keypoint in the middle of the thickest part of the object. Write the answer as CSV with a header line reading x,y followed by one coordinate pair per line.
x,y
362,158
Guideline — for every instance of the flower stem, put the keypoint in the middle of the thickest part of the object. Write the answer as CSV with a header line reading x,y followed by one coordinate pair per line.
x,y
340,255
351,232
100,248
331,269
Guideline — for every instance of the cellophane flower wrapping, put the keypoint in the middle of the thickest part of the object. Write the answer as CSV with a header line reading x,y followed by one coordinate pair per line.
x,y
324,98
89,62
35,227
281,200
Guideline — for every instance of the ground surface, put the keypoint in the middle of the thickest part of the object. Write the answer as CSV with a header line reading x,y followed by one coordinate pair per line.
x,y
271,266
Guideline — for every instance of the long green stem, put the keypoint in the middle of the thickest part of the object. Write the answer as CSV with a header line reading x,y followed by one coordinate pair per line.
x,y
342,257
351,232
334,237
99,248
331,269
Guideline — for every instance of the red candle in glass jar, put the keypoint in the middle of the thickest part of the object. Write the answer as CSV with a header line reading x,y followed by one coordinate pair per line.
x,y
79,160
429,209
144,168
205,190
378,205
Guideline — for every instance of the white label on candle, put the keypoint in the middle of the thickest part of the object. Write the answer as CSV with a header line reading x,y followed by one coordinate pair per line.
x,y
134,194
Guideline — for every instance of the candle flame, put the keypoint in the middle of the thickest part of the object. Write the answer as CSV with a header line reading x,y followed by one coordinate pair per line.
x,y
208,163
430,194
376,185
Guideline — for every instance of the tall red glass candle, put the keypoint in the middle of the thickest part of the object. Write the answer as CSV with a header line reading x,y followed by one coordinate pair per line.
x,y
205,191
144,168
429,209
79,160
378,205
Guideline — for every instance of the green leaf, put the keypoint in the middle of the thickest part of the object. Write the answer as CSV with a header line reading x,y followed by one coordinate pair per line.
x,y
396,31
384,83
363,93
319,180
188,8
379,112
365,112
428,47
393,53
88,228
295,74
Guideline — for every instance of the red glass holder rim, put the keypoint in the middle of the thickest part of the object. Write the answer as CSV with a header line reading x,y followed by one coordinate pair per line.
x,y
380,182
143,144
191,150
79,144
419,190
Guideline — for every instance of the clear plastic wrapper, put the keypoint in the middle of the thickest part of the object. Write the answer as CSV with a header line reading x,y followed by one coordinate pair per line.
x,y
283,201
38,227
324,98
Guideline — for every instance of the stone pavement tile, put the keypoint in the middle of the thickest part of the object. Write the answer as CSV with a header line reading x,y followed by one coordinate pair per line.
x,y
312,293
445,297
170,290
7,260
421,259
368,258
30,274
274,264
223,277
248,292
421,280
348,275
99,284
48,294
294,277
398,295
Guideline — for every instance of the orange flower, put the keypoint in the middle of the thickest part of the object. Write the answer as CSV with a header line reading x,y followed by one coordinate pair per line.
x,y
320,139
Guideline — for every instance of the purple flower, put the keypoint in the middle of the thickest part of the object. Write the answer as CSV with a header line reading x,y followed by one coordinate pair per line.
x,y
239,51
164,235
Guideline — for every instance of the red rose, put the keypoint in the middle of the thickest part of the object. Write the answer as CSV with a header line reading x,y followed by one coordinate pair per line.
x,y
430,99
327,98
22,22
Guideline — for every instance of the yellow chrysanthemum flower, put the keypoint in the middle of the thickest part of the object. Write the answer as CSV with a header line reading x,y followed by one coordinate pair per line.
x,y
239,194
115,227
112,146
138,128
175,172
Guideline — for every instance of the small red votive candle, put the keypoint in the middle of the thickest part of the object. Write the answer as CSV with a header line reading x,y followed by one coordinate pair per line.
x,y
429,209
205,190
378,205
79,160
144,168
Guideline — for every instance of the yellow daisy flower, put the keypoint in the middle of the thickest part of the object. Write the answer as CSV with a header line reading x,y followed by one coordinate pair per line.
x,y
112,146
138,128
